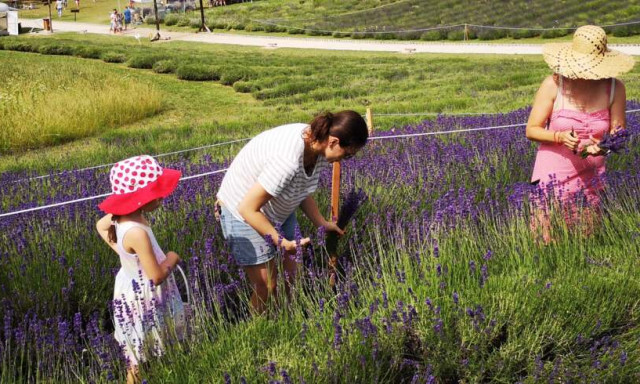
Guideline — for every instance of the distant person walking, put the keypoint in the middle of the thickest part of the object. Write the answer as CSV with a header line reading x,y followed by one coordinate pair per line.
x,y
127,17
573,109
59,7
273,175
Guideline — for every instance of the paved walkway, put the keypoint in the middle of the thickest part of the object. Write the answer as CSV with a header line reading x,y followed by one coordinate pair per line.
x,y
274,42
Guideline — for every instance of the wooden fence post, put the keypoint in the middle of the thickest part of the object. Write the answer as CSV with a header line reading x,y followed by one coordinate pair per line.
x,y
370,121
335,206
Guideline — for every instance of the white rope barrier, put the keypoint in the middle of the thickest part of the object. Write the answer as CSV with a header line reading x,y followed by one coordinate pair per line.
x,y
225,169
446,132
438,114
154,156
96,197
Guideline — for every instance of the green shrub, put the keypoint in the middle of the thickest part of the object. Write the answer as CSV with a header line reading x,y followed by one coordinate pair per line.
x,y
435,35
253,27
88,52
271,28
317,32
287,89
195,22
171,19
244,87
621,31
55,49
413,35
151,20
456,34
523,33
215,24
230,75
197,72
295,31
634,29
143,61
183,22
238,27
384,36
491,34
553,33
340,35
164,66
20,45
114,57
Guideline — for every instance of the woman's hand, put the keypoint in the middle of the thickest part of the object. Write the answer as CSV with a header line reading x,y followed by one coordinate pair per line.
x,y
568,140
290,246
593,149
330,226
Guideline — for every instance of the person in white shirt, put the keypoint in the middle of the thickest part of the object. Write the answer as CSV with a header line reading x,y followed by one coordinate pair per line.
x,y
59,7
273,175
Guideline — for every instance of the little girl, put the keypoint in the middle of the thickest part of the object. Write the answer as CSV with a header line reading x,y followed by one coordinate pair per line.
x,y
146,303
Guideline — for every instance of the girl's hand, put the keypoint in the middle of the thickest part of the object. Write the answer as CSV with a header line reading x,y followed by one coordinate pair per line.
x,y
330,226
174,257
565,138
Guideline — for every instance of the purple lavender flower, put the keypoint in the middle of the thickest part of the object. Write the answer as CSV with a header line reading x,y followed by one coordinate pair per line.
x,y
352,202
350,206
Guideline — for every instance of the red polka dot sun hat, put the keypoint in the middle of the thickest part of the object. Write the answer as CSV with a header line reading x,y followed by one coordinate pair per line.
x,y
138,181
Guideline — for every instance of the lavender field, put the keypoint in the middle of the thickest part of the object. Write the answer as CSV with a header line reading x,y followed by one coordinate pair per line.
x,y
441,278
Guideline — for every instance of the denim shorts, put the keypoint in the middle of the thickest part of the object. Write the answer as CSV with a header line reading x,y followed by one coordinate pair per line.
x,y
248,247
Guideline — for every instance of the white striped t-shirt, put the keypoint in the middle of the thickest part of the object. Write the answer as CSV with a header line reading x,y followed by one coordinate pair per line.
x,y
274,159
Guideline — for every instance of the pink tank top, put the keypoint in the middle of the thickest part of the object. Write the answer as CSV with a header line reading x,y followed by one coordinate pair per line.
x,y
559,162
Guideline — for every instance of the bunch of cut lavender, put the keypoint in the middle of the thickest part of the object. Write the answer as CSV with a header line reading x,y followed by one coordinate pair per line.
x,y
349,207
612,142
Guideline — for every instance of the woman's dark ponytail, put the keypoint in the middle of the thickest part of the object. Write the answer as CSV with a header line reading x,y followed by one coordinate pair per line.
x,y
321,127
111,232
348,126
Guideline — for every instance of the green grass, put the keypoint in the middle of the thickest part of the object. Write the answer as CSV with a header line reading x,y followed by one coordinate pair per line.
x,y
53,101
276,87
90,11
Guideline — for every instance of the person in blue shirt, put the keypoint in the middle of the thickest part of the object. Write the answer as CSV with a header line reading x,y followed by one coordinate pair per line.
x,y
127,17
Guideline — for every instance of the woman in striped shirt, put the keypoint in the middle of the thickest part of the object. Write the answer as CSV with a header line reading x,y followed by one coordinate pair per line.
x,y
273,175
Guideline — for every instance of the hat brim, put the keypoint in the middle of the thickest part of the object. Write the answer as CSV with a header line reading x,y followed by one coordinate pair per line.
x,y
563,60
126,203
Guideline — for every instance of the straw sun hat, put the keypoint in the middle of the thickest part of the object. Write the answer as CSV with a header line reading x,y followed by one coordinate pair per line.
x,y
137,181
587,56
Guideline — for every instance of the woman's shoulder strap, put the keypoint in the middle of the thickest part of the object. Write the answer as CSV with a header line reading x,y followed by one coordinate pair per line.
x,y
559,103
612,91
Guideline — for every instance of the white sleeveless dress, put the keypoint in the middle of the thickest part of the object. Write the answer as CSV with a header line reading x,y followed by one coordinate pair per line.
x,y
145,316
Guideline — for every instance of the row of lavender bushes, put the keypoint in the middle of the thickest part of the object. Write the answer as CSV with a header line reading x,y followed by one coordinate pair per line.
x,y
441,279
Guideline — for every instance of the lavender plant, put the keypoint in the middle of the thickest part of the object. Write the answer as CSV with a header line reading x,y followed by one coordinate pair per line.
x,y
450,285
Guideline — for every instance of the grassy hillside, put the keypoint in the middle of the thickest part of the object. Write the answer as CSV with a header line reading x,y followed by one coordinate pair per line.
x,y
380,19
